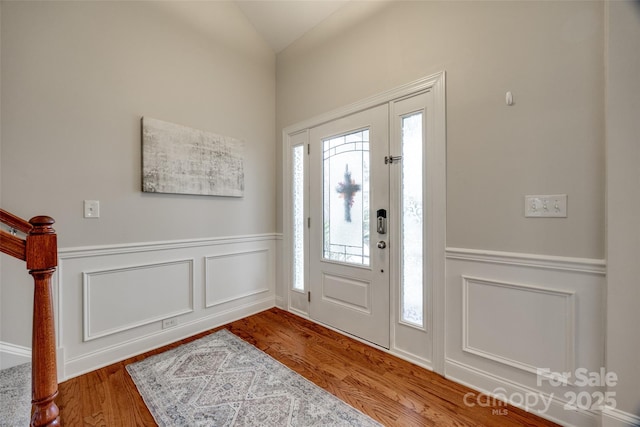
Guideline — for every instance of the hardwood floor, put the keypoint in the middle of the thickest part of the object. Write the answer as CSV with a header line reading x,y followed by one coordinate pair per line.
x,y
390,390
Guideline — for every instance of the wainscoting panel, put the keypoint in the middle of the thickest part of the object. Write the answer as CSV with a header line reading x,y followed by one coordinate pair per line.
x,y
106,312
516,321
112,300
235,275
519,325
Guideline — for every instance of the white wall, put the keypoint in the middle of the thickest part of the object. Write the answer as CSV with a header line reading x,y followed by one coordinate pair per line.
x,y
76,79
623,205
509,279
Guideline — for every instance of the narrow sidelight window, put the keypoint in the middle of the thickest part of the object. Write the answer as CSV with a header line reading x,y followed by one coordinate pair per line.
x,y
412,271
298,217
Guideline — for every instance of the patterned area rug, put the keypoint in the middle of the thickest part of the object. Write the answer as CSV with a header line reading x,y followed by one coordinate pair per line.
x,y
15,396
221,380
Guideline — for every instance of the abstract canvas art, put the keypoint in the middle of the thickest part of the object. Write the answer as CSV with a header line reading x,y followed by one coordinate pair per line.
x,y
181,160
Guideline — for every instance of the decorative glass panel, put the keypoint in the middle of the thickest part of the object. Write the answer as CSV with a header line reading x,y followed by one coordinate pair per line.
x,y
298,217
346,198
412,221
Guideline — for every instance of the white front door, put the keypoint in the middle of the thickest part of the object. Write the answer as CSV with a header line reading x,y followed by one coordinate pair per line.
x,y
349,254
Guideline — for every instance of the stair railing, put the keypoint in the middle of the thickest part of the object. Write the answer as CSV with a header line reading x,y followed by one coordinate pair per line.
x,y
39,249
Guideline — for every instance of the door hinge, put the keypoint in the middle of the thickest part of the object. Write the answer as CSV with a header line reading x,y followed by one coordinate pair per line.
x,y
308,222
309,296
308,148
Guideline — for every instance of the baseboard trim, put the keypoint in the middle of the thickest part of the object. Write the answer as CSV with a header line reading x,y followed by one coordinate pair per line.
x,y
281,303
491,385
613,417
411,358
106,356
549,262
13,355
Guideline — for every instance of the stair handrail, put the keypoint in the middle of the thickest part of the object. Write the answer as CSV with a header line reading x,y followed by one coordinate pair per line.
x,y
39,249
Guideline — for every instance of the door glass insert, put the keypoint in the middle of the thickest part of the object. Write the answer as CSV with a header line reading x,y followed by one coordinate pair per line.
x,y
346,198
412,221
298,217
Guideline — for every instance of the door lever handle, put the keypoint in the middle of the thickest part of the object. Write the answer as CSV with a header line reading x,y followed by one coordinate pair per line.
x,y
382,244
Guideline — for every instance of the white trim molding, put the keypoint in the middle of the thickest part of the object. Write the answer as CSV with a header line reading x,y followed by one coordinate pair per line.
x,y
128,248
516,321
548,406
208,276
568,315
13,355
82,364
549,262
613,417
139,285
435,82
87,277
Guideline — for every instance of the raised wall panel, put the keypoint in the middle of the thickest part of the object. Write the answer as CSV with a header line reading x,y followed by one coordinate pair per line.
x,y
527,327
118,299
111,300
509,314
235,275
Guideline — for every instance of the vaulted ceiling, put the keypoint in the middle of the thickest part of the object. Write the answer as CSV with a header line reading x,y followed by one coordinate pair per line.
x,y
280,22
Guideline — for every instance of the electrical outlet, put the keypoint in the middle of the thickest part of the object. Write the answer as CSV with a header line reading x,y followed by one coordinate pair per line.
x,y
170,322
551,206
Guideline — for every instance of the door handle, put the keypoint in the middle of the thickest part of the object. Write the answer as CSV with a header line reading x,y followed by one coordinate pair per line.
x,y
382,244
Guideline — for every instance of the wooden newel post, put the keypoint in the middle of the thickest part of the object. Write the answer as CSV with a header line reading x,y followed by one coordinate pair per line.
x,y
42,259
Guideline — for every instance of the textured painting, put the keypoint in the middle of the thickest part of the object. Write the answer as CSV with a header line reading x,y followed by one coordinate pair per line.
x,y
181,160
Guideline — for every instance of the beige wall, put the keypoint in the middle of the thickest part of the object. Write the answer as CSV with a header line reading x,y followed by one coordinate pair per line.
x,y
76,79
623,202
549,54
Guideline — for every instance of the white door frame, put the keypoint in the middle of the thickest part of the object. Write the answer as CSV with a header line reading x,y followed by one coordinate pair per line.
x,y
435,218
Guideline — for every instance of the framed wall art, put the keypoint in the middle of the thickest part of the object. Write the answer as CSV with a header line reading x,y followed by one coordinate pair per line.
x,y
181,160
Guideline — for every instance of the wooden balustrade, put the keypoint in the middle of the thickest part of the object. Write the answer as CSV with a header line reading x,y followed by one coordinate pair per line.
x,y
40,251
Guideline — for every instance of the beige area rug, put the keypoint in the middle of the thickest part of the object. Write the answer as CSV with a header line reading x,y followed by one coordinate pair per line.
x,y
221,380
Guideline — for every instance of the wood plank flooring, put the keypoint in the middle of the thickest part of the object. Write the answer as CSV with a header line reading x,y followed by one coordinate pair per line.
x,y
388,389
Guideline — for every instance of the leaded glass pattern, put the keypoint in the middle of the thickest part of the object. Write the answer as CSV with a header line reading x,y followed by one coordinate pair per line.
x,y
346,198
298,217
412,220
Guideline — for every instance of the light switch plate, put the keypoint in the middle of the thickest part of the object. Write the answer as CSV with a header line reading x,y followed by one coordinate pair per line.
x,y
545,206
92,208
